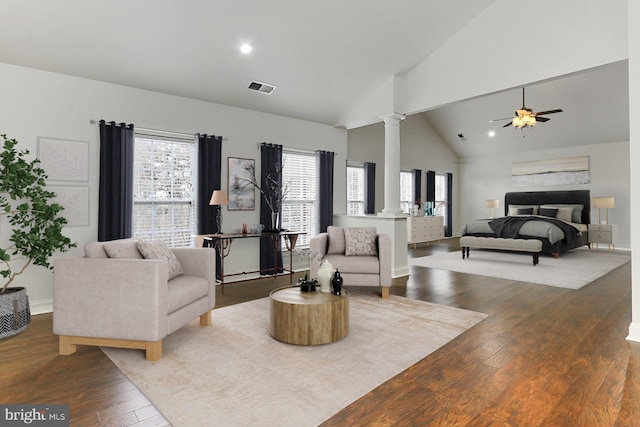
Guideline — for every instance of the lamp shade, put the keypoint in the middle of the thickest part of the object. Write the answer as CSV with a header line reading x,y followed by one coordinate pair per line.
x,y
492,203
602,202
219,197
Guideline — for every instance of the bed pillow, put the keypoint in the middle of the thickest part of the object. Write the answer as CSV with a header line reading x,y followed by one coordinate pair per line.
x,y
360,241
525,211
513,209
576,210
157,249
548,212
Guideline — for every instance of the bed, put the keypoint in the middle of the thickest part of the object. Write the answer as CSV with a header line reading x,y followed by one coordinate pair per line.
x,y
559,219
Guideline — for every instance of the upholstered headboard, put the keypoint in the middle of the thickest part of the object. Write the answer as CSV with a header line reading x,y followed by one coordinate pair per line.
x,y
582,197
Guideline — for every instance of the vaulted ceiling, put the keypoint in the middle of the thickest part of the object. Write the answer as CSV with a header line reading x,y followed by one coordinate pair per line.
x,y
324,57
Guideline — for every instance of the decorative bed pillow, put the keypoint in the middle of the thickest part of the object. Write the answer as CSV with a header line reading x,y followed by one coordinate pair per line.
x,y
157,249
360,241
576,210
337,243
564,214
524,211
513,209
548,212
123,249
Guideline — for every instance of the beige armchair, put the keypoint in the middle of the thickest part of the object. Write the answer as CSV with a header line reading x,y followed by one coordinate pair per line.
x,y
128,301
362,256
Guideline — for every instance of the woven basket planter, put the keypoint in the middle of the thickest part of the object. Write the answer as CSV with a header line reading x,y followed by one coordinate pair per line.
x,y
14,312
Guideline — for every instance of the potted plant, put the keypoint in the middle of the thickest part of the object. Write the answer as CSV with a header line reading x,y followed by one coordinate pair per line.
x,y
30,232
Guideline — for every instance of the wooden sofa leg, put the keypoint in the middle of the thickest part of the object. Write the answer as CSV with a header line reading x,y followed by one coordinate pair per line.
x,y
205,319
65,347
153,350
385,292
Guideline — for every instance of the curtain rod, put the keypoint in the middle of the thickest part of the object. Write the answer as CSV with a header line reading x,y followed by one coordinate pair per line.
x,y
189,136
294,150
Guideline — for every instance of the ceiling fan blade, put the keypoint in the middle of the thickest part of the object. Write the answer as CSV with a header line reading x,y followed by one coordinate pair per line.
x,y
542,119
499,120
507,125
548,112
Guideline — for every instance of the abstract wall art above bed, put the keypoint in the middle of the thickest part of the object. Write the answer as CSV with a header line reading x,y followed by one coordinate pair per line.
x,y
564,171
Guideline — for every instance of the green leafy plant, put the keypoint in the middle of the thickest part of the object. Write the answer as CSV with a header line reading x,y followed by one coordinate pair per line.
x,y
34,220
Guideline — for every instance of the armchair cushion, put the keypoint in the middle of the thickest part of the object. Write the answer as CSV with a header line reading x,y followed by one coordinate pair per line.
x,y
125,248
360,241
337,244
157,249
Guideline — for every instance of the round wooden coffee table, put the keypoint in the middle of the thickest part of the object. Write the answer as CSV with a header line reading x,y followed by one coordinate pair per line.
x,y
308,318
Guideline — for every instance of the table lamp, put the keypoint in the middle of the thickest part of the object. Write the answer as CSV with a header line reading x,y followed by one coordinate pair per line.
x,y
219,198
605,203
492,204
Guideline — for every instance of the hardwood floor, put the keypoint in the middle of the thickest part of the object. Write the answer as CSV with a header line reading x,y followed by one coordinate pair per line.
x,y
545,356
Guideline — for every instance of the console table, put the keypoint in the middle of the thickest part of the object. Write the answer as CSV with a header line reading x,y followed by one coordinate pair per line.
x,y
222,243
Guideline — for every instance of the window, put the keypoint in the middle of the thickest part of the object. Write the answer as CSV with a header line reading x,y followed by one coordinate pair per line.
x,y
299,185
163,196
355,189
441,197
406,191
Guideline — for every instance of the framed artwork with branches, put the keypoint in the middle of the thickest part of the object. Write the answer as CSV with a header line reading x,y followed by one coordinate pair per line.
x,y
241,191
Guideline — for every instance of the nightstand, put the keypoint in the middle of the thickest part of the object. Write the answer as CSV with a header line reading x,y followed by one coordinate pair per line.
x,y
604,233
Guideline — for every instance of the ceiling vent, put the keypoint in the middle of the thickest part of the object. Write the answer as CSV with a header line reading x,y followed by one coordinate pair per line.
x,y
262,87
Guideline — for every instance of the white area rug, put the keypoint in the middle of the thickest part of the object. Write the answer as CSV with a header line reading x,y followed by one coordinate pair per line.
x,y
234,374
572,270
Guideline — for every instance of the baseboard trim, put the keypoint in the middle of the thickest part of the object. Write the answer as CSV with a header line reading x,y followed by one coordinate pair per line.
x,y
634,332
41,306
400,271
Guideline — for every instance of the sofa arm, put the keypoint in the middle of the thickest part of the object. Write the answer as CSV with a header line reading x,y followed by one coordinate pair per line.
x,y
200,262
110,298
384,257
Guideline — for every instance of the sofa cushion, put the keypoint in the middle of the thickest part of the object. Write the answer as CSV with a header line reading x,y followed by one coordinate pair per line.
x,y
349,264
184,290
360,241
125,248
157,249
96,249
336,240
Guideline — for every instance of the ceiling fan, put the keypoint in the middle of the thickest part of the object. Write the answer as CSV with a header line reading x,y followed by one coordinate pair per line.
x,y
525,117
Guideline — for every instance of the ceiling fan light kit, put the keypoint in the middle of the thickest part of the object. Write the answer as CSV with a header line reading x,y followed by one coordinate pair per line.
x,y
525,117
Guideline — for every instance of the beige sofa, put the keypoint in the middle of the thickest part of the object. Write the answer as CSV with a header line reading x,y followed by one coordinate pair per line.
x,y
128,301
362,256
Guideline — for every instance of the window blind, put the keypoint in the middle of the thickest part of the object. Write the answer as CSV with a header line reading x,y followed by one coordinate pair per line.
x,y
299,186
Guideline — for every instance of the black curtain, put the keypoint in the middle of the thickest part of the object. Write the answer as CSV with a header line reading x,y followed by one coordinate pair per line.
x,y
369,188
324,166
448,227
431,186
115,198
209,177
417,187
271,184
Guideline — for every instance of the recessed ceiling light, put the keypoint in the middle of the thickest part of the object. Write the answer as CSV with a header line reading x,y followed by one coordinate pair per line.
x,y
246,48
491,133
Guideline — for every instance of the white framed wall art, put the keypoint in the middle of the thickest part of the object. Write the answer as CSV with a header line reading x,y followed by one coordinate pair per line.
x,y
64,159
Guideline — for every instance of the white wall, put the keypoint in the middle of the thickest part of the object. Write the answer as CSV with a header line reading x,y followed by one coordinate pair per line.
x,y
490,178
36,103
421,148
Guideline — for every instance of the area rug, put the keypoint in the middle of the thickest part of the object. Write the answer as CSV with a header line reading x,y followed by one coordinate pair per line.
x,y
234,374
572,270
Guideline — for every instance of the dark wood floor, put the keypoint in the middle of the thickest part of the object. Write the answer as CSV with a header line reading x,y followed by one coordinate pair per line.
x,y
544,357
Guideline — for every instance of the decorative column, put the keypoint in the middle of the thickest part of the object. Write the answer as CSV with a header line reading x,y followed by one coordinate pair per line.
x,y
392,164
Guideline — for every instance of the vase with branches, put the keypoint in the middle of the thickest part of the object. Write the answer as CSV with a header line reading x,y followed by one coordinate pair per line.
x,y
272,189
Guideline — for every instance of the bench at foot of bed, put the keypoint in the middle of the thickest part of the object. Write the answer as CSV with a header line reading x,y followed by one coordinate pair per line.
x,y
530,246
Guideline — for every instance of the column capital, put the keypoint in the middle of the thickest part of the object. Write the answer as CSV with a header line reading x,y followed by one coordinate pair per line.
x,y
393,118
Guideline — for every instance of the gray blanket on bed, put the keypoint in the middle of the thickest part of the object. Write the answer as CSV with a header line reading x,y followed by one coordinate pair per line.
x,y
530,226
